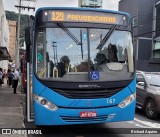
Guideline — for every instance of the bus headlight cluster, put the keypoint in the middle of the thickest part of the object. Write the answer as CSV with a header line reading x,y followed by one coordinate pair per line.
x,y
45,103
127,101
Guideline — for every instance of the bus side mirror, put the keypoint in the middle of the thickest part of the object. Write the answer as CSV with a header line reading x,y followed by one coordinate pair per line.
x,y
142,84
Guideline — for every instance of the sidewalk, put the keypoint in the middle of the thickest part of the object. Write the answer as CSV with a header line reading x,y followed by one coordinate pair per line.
x,y
11,114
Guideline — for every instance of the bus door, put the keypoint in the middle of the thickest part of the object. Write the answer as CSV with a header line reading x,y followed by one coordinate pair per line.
x,y
29,93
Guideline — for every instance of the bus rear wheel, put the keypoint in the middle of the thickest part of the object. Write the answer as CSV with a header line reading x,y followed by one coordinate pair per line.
x,y
150,109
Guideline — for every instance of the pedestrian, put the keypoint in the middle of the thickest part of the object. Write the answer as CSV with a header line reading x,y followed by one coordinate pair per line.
x,y
1,77
4,75
15,80
10,77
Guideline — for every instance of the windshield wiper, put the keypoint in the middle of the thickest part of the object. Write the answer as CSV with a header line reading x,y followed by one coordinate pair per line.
x,y
72,36
104,40
69,33
155,85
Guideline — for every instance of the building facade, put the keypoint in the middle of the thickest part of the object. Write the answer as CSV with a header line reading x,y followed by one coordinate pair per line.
x,y
90,3
143,17
12,42
4,38
156,30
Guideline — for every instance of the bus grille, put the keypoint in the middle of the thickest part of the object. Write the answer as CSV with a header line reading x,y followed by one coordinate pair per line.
x,y
88,94
78,119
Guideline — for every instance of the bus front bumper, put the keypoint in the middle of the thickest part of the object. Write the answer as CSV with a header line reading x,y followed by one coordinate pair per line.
x,y
68,116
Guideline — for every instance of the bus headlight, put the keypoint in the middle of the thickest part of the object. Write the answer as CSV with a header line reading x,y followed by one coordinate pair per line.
x,y
45,103
127,101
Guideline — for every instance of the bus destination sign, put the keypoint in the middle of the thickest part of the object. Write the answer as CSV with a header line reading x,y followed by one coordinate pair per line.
x,y
84,16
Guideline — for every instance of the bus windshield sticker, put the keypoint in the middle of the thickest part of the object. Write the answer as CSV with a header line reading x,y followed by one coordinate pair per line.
x,y
94,75
40,57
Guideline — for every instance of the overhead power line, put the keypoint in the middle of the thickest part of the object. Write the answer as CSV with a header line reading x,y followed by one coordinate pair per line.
x,y
149,32
25,7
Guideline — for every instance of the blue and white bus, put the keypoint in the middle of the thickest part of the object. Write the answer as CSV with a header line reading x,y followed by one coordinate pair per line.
x,y
81,67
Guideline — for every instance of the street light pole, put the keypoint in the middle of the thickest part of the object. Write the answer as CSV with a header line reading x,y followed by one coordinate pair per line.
x,y
18,36
55,52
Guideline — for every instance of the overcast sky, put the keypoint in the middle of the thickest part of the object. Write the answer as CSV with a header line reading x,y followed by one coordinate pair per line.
x,y
10,4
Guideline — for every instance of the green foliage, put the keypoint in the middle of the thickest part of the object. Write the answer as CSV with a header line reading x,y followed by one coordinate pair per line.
x,y
10,15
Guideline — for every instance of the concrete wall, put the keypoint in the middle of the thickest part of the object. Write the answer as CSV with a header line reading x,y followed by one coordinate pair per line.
x,y
4,33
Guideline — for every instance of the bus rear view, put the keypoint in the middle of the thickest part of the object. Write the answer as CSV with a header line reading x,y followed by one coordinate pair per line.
x,y
83,67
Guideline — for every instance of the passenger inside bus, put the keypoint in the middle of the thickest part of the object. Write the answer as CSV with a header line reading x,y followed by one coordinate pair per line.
x,y
63,66
112,52
100,59
51,68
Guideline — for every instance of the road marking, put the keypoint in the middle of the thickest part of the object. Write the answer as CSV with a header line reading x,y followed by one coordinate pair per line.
x,y
137,124
150,124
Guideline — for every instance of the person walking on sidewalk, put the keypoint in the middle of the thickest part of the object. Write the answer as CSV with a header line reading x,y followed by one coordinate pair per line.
x,y
15,80
10,77
1,77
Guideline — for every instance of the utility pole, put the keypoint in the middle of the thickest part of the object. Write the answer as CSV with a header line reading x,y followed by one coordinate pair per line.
x,y
18,30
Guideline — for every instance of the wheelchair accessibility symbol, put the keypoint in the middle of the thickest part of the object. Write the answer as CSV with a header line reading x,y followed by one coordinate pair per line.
x,y
94,75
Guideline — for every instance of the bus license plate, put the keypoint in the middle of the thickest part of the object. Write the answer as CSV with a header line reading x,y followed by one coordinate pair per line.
x,y
88,114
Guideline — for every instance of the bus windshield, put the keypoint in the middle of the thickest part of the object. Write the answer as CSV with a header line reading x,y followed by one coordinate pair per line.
x,y
73,53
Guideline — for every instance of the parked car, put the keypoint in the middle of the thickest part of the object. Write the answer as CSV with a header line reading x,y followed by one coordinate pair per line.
x,y
148,93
